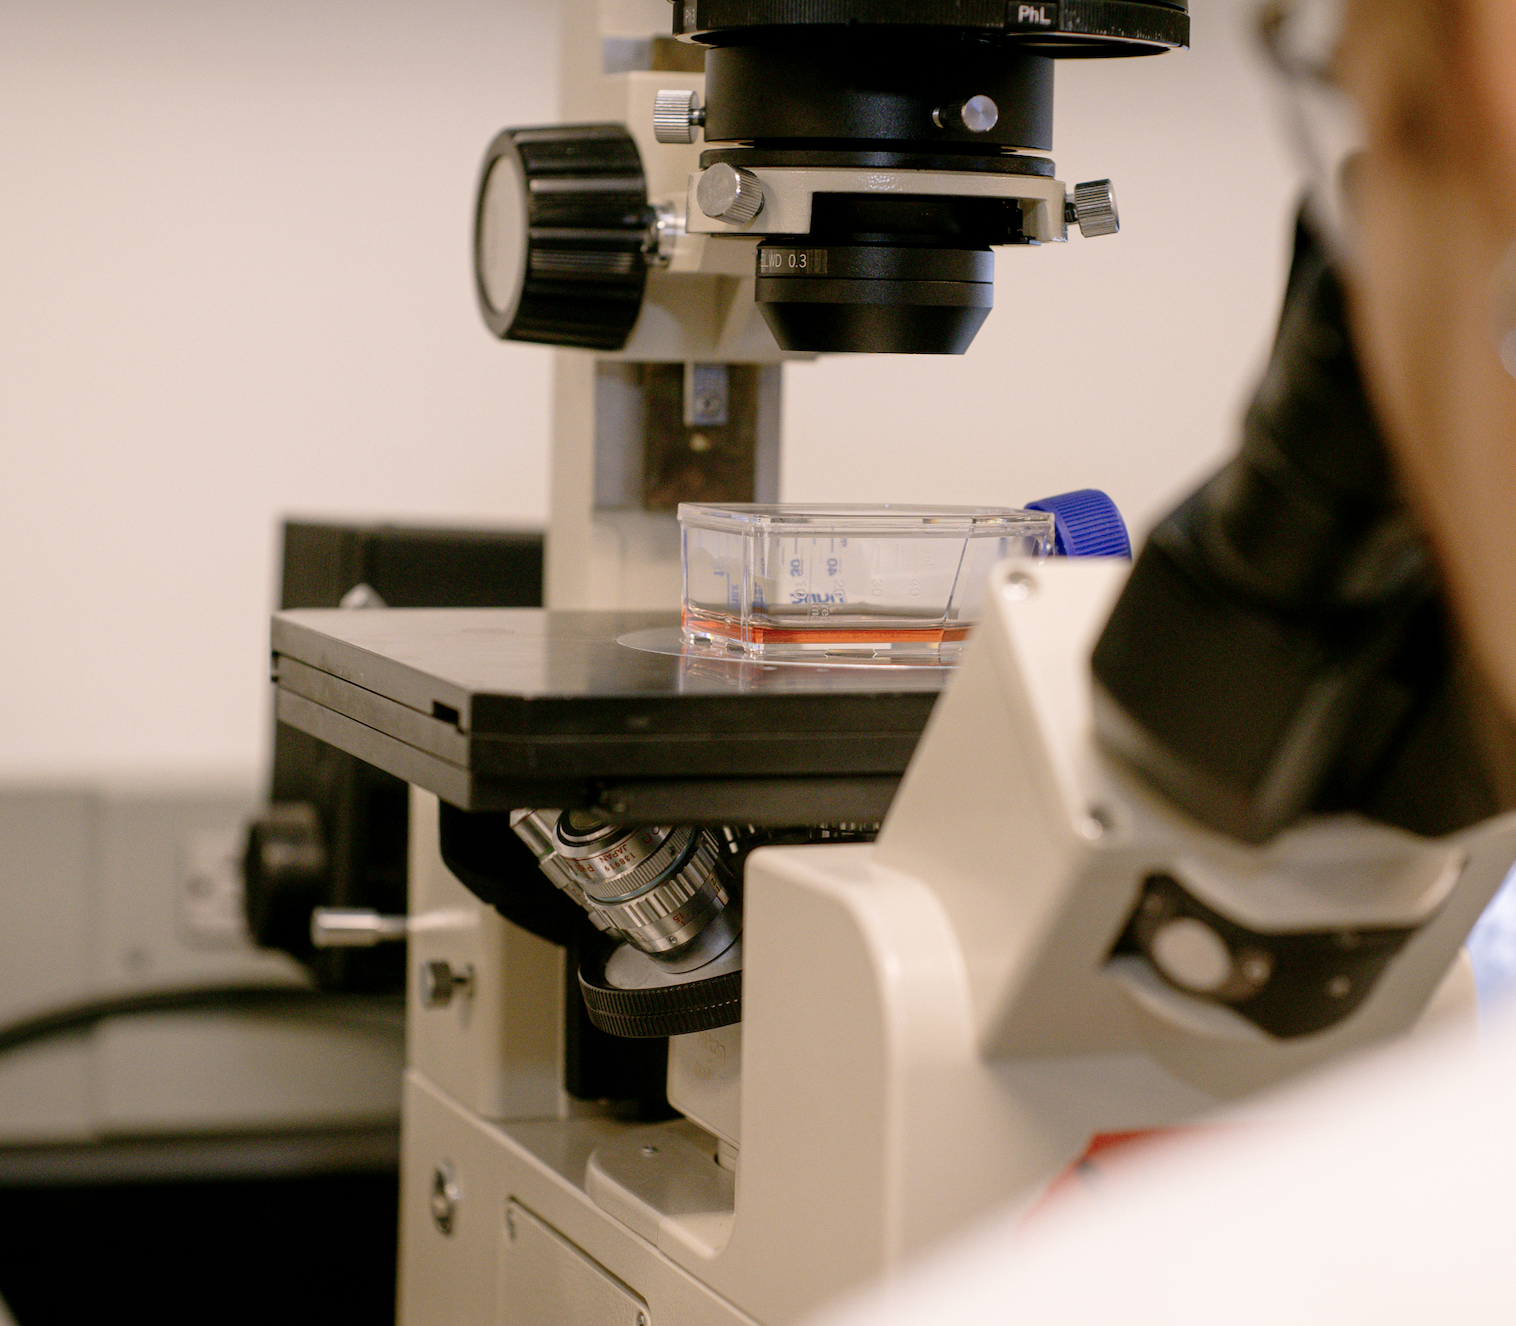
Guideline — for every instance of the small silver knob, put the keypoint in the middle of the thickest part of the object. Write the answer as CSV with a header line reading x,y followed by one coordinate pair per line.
x,y
354,927
662,239
677,113
439,983
729,193
445,1198
978,115
1093,208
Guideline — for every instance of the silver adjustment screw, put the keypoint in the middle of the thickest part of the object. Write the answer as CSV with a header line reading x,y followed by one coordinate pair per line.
x,y
1093,209
440,983
354,927
677,114
729,193
978,115
662,237
445,1197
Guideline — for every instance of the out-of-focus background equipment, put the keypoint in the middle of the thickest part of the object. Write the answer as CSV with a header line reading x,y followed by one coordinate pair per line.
x,y
173,1039
334,837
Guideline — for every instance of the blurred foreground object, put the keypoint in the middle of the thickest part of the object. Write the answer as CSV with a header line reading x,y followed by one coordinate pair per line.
x,y
1284,646
335,831
1410,1153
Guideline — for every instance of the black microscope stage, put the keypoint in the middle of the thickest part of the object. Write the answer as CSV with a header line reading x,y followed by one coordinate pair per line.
x,y
501,708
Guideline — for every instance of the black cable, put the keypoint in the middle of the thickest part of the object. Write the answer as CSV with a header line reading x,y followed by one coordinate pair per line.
x,y
213,998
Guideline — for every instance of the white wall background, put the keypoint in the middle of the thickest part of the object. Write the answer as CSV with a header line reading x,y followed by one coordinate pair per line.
x,y
234,283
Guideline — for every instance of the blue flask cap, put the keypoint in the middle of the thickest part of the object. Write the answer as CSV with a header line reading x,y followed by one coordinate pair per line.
x,y
1086,523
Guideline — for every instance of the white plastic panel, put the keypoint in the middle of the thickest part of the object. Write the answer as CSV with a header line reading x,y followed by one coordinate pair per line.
x,y
495,1049
547,1281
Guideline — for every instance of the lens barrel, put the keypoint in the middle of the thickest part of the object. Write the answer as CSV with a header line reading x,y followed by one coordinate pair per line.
x,y
892,298
939,86
823,87
890,272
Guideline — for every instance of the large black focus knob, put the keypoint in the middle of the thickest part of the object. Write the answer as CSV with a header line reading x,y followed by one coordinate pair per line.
x,y
560,230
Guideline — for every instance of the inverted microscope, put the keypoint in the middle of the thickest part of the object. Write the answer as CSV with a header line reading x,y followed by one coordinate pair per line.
x,y
750,953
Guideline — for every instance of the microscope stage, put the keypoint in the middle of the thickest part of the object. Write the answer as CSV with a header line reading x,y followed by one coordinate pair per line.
x,y
504,708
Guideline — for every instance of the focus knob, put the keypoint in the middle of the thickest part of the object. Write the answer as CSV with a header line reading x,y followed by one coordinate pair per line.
x,y
1093,208
560,235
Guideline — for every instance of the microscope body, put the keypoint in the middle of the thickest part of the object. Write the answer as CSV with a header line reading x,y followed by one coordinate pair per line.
x,y
932,1025
1040,950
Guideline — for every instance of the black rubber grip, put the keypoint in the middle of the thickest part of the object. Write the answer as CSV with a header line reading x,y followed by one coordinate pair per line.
x,y
665,1010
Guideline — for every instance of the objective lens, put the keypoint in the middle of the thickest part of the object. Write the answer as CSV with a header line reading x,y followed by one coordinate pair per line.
x,y
895,298
656,887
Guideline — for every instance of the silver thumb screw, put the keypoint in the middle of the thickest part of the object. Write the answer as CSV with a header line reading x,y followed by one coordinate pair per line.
x,y
729,193
677,113
1093,208
354,927
978,115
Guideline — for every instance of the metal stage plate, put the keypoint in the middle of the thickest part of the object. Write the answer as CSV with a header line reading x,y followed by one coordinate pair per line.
x,y
499,708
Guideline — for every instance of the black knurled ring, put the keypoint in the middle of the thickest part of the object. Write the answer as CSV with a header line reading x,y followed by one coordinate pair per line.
x,y
663,1010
